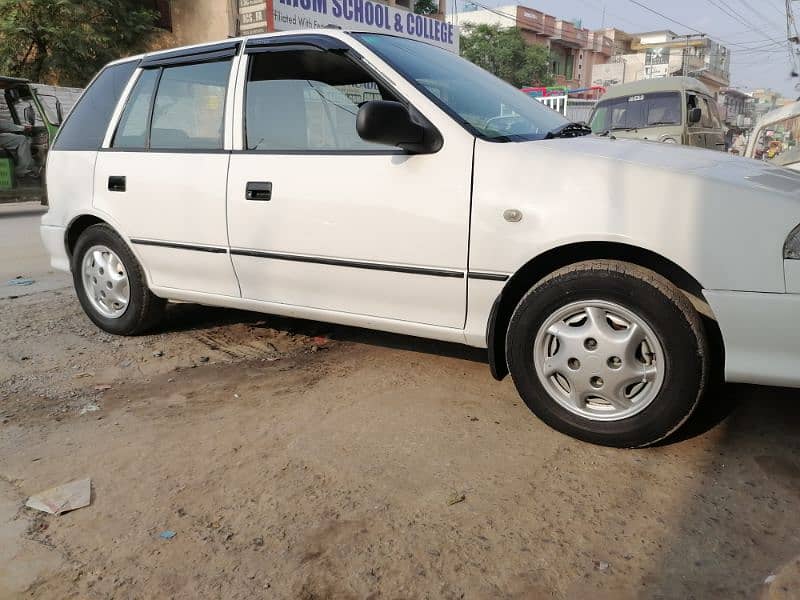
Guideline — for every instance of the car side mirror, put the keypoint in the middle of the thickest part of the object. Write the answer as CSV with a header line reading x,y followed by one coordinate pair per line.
x,y
695,115
30,115
392,124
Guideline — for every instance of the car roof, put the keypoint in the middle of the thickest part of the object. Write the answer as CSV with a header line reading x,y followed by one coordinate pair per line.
x,y
334,32
649,86
10,82
779,114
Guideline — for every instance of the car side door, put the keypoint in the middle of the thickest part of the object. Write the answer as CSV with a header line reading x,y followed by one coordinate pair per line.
x,y
320,219
696,131
161,174
715,137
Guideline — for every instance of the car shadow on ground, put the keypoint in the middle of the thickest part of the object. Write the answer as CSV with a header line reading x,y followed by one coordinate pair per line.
x,y
188,317
719,404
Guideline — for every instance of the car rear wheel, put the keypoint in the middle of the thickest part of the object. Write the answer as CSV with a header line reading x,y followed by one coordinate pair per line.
x,y
110,283
608,352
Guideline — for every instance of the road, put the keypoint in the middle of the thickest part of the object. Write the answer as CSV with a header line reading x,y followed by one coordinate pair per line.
x,y
294,459
23,255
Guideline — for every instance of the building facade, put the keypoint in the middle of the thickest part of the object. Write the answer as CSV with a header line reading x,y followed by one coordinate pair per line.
x,y
197,21
736,108
658,54
574,50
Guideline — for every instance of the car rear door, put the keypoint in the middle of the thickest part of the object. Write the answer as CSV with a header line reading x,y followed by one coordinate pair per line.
x,y
161,175
320,219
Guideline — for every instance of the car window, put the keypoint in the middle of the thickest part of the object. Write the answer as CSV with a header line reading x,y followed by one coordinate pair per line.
x,y
693,101
713,111
707,120
132,128
778,142
307,100
487,106
189,108
87,123
638,111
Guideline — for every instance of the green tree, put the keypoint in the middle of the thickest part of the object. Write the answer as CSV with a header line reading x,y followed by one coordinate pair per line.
x,y
503,52
426,7
67,41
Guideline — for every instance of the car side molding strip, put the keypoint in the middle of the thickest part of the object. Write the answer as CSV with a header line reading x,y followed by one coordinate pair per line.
x,y
353,264
488,276
180,246
320,260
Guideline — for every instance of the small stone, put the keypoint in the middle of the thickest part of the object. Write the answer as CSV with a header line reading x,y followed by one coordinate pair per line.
x,y
769,579
203,359
455,498
158,353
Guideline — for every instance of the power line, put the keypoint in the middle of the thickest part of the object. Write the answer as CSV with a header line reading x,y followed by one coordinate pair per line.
x,y
736,15
663,16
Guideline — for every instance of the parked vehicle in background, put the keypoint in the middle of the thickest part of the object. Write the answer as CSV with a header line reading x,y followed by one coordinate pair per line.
x,y
674,110
381,182
34,112
776,137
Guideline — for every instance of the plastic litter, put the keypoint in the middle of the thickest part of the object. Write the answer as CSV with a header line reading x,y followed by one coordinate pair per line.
x,y
167,535
63,498
20,280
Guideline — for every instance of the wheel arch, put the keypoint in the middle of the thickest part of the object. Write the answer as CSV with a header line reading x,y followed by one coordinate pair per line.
x,y
556,258
76,227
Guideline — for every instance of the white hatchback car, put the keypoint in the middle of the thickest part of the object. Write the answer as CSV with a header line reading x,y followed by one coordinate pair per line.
x,y
380,182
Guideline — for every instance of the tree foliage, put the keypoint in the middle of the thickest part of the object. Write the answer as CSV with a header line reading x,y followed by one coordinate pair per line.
x,y
426,7
67,41
503,51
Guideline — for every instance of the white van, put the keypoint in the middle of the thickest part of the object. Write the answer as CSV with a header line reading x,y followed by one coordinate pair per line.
x,y
380,182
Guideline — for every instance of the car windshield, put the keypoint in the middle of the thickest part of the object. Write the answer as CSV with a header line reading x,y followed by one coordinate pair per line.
x,y
637,112
489,107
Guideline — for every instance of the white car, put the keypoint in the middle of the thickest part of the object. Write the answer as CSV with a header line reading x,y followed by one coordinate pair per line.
x,y
380,182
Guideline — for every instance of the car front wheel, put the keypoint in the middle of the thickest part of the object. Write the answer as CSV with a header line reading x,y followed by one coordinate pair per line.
x,y
111,285
608,352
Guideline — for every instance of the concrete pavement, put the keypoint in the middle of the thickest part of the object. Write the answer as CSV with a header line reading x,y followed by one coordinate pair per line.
x,y
22,253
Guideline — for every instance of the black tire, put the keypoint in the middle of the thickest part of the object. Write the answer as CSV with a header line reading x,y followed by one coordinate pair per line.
x,y
653,299
144,308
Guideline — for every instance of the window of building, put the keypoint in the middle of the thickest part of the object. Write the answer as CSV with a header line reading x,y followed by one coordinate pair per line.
x,y
307,100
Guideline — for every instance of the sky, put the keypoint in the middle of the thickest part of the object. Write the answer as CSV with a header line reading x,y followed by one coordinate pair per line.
x,y
751,30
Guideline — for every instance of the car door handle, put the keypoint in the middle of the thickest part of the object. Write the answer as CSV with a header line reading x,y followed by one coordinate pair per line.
x,y
259,190
116,183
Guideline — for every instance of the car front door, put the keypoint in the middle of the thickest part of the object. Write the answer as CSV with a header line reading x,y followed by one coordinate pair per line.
x,y
319,218
715,137
697,131
161,176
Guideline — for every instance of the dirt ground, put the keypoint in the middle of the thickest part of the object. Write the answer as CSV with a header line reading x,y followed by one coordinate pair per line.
x,y
301,460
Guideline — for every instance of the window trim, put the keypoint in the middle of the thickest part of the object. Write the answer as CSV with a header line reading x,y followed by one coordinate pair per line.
x,y
294,42
196,54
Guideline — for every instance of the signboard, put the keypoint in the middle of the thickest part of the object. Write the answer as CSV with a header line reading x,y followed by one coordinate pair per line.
x,y
360,15
656,56
656,71
609,74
